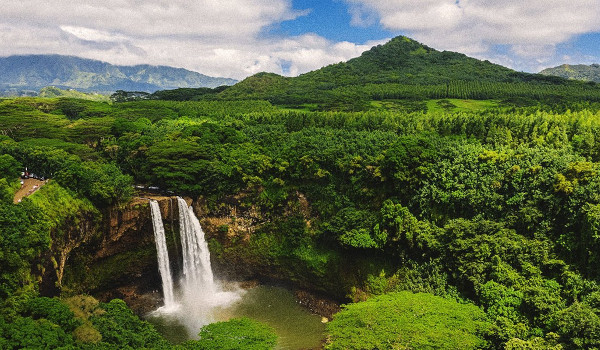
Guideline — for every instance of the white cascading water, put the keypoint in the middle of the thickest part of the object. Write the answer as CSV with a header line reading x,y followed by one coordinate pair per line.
x,y
163,256
197,272
199,297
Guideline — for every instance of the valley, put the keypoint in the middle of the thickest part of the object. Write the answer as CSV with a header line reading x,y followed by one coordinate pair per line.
x,y
444,202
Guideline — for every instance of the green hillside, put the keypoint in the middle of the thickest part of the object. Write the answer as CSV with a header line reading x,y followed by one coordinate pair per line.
x,y
54,92
576,72
406,69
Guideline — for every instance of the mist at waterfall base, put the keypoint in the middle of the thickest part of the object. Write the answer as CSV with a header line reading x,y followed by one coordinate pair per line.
x,y
197,298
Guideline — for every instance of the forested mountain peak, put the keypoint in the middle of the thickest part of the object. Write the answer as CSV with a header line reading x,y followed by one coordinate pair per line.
x,y
576,71
403,60
399,69
394,52
256,86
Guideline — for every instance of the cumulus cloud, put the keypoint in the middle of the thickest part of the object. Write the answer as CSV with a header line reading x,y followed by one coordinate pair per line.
x,y
531,28
89,34
214,37
135,18
231,38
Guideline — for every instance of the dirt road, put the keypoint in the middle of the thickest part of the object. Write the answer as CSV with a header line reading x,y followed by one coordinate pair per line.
x,y
29,187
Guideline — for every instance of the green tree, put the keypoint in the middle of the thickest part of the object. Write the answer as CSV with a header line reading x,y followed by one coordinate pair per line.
x,y
121,328
10,168
237,333
405,320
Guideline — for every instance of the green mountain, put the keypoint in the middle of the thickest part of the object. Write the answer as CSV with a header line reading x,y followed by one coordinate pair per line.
x,y
405,69
33,72
54,92
576,72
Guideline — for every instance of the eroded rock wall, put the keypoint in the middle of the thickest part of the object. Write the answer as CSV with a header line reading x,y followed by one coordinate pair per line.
x,y
246,243
123,253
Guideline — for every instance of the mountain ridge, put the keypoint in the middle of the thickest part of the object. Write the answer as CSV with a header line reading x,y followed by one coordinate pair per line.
x,y
575,72
399,69
33,72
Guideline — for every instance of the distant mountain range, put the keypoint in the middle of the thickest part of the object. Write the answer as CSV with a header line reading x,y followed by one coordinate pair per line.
x,y
28,74
575,72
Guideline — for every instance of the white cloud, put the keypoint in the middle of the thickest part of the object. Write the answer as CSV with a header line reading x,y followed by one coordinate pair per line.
x,y
89,34
214,37
201,18
532,28
227,38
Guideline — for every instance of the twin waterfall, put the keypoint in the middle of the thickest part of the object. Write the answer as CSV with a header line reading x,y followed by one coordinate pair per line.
x,y
163,255
197,272
197,296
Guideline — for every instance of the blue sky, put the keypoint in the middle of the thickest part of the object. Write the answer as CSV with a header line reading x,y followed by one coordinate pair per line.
x,y
238,38
334,20
331,20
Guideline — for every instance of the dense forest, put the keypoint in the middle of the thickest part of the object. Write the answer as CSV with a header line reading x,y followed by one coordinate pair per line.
x,y
576,72
448,209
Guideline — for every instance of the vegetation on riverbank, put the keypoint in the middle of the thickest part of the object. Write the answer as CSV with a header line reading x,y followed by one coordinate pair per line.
x,y
487,202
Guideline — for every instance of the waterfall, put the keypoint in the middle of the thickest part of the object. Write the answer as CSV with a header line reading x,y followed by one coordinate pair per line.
x,y
197,272
199,298
200,295
163,255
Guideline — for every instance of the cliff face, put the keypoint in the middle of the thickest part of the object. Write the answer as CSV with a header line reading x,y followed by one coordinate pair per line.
x,y
131,226
124,252
245,243
249,242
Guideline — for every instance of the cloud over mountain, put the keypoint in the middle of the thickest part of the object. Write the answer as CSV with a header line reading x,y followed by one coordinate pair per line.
x,y
531,29
221,38
237,38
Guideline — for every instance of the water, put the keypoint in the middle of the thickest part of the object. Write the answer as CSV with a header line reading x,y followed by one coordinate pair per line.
x,y
198,296
296,327
197,272
162,256
199,299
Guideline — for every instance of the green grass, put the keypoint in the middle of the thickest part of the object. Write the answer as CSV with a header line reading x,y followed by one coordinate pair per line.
x,y
53,92
459,105
307,107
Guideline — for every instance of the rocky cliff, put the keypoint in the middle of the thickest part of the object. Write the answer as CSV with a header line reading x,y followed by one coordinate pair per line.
x,y
123,252
245,244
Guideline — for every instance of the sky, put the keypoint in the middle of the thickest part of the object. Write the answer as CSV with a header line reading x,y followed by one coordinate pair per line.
x,y
238,38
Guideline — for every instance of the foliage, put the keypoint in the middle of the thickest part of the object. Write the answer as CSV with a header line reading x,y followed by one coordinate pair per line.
x,y
119,326
53,92
237,333
25,236
9,167
27,333
407,320
405,69
406,169
354,228
54,311
576,71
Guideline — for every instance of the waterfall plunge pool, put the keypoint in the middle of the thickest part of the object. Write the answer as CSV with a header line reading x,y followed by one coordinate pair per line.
x,y
199,299
295,326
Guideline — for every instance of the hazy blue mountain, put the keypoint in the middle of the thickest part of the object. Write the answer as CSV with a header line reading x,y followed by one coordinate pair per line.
x,y
33,72
576,71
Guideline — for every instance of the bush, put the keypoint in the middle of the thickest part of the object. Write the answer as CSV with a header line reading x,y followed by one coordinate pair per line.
x,y
238,333
120,327
408,321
